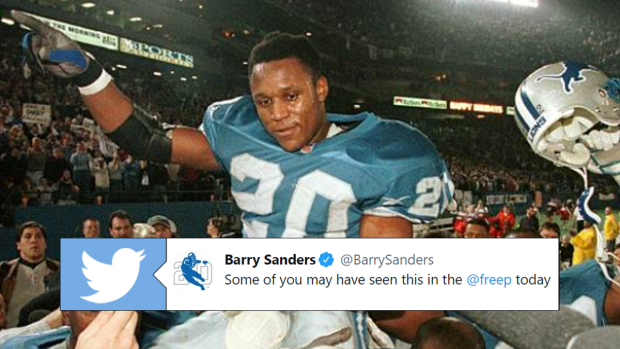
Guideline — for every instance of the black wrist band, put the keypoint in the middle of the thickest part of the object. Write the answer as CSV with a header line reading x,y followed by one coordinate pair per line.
x,y
90,75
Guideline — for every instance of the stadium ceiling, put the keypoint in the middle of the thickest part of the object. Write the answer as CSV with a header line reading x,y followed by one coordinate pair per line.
x,y
191,22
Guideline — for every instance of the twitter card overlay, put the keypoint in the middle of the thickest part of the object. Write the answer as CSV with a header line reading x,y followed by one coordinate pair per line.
x,y
309,274
111,274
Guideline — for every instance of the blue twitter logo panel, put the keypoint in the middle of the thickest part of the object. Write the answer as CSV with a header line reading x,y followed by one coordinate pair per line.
x,y
111,274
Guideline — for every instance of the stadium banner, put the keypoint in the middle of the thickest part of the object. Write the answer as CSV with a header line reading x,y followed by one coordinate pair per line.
x,y
37,114
88,124
83,35
156,53
420,102
477,107
510,111
495,199
518,198
606,197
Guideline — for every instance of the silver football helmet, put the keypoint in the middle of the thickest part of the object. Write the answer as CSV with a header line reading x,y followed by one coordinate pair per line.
x,y
569,113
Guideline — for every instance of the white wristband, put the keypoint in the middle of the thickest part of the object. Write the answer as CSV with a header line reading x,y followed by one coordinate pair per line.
x,y
102,82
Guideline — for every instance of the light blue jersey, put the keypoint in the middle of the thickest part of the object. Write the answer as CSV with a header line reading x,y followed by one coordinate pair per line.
x,y
376,167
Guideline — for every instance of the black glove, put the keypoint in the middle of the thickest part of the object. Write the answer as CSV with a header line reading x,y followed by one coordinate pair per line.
x,y
49,50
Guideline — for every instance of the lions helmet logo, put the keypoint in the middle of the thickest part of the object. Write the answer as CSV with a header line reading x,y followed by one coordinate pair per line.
x,y
571,74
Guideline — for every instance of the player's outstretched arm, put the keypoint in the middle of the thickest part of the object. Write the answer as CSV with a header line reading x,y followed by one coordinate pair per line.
x,y
130,127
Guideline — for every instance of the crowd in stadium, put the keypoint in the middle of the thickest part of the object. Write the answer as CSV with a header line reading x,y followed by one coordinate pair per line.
x,y
33,159
489,33
70,162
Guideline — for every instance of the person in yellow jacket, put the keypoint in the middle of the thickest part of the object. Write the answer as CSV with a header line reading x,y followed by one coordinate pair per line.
x,y
611,229
585,244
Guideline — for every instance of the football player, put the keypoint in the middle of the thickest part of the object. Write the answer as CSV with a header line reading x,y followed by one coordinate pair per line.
x,y
296,170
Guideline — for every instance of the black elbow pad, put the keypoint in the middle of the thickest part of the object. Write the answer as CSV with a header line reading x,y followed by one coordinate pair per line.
x,y
144,137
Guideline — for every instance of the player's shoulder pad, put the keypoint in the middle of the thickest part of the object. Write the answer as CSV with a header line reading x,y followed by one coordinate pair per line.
x,y
231,112
402,147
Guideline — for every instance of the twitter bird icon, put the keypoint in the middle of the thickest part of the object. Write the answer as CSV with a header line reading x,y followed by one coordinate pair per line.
x,y
112,281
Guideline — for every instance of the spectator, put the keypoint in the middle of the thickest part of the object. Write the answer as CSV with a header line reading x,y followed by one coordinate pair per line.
x,y
66,191
566,252
37,158
21,279
55,166
477,228
213,229
550,230
521,234
102,178
530,221
45,192
14,165
610,229
617,254
91,228
132,175
120,225
164,227
584,243
448,333
115,169
506,221
81,161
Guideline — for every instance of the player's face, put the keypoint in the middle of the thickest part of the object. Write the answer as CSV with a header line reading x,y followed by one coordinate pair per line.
x,y
474,231
32,245
121,228
290,105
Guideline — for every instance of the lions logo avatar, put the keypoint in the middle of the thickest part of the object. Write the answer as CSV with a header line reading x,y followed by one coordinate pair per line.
x,y
192,270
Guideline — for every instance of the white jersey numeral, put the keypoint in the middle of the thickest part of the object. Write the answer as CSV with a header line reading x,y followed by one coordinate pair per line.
x,y
340,194
269,176
428,192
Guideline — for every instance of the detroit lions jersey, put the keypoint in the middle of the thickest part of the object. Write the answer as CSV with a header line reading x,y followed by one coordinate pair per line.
x,y
375,167
582,287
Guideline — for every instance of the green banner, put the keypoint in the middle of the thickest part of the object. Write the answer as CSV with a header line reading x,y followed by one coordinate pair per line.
x,y
420,102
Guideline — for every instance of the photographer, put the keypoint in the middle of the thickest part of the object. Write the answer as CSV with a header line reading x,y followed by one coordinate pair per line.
x,y
66,190
222,226
213,227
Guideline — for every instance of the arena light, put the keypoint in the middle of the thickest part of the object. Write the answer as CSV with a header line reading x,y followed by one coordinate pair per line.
x,y
110,12
194,77
183,79
527,3
156,73
158,25
308,34
120,66
135,19
8,21
88,5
